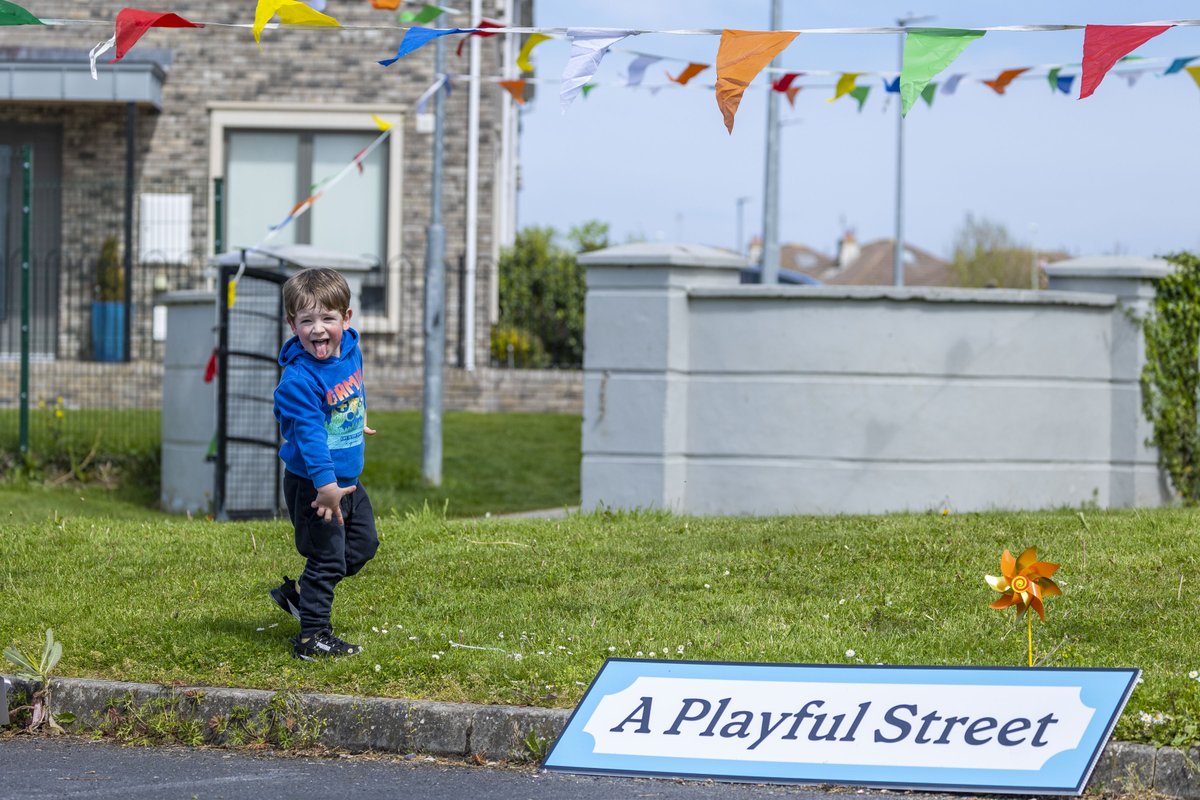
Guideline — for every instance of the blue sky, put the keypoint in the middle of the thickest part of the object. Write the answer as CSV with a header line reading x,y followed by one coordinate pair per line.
x,y
1115,173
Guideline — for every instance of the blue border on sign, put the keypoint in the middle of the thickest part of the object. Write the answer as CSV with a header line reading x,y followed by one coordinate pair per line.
x,y
1104,689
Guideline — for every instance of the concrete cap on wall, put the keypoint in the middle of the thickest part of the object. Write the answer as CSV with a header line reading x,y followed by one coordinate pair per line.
x,y
663,255
1110,267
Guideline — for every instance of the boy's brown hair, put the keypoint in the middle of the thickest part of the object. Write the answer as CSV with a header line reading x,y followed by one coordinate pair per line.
x,y
319,287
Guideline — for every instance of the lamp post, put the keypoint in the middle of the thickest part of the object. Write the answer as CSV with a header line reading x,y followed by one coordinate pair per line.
x,y
898,252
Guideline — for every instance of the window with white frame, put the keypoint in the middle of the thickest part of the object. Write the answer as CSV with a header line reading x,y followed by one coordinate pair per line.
x,y
272,160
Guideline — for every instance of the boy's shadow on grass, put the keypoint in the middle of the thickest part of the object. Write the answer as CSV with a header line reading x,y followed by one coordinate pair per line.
x,y
266,628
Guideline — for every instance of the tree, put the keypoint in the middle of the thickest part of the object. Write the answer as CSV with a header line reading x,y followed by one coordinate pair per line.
x,y
985,255
542,293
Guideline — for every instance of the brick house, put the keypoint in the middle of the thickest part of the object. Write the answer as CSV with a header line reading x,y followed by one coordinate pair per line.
x,y
137,156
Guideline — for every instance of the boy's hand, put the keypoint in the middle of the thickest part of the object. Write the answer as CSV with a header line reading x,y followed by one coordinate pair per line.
x,y
329,501
368,431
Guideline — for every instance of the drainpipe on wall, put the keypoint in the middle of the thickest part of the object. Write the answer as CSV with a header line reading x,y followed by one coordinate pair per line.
x,y
131,116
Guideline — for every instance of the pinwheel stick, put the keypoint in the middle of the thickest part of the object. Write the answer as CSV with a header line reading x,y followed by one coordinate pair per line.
x,y
1029,628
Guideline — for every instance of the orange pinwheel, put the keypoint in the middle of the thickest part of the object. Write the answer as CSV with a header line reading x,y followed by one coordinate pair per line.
x,y
1024,582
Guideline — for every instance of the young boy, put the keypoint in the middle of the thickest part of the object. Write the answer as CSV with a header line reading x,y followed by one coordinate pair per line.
x,y
321,407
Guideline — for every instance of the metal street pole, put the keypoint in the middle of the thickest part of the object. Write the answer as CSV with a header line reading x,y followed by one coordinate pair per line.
x,y
770,249
898,252
740,245
435,294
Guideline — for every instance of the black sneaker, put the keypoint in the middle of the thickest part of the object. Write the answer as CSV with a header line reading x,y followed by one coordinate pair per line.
x,y
320,644
287,598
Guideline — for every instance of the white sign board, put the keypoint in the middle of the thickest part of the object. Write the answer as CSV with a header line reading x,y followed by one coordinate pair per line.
x,y
978,729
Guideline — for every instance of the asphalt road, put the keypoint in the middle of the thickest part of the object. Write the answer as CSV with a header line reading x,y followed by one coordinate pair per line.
x,y
63,768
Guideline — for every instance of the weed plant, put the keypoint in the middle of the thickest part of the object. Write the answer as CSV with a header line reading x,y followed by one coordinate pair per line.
x,y
526,611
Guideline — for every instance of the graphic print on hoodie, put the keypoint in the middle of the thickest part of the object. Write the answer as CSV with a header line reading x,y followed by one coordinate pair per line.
x,y
321,407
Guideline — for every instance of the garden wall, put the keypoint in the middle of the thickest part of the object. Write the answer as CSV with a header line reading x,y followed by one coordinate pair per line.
x,y
705,396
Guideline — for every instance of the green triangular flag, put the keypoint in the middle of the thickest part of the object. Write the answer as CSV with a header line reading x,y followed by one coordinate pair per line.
x,y
587,87
928,51
13,14
860,93
928,92
1052,76
427,13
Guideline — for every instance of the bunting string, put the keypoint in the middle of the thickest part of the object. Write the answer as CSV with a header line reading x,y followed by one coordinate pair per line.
x,y
741,57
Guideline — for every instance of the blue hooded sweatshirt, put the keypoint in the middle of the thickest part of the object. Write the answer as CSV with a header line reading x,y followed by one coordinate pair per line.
x,y
322,410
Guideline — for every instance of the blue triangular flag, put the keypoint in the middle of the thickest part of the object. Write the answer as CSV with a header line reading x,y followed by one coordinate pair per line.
x,y
415,38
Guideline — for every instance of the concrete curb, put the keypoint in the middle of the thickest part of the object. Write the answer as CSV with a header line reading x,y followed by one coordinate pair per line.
x,y
509,733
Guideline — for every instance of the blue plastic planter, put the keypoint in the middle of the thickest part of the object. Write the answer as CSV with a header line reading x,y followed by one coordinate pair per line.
x,y
108,330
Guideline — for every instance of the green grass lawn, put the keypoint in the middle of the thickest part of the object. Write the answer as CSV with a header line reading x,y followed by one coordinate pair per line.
x,y
526,611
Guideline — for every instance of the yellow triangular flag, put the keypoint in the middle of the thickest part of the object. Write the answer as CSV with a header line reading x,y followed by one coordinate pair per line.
x,y
381,123
845,85
740,57
523,57
1195,73
291,12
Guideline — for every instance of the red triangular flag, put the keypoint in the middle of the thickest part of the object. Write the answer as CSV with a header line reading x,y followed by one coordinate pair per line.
x,y
1105,45
483,23
132,23
782,83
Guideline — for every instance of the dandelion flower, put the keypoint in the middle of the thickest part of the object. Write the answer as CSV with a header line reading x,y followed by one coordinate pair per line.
x,y
850,654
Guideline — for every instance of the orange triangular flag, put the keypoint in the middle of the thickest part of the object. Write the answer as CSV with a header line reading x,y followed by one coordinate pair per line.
x,y
516,88
1001,81
791,93
1105,45
740,57
689,72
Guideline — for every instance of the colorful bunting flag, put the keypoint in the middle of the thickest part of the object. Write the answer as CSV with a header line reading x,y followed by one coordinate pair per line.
x,y
1195,73
637,69
480,30
427,14
1131,76
860,93
132,23
291,12
952,83
516,88
1064,83
791,93
928,92
586,89
523,57
383,5
415,38
588,47
690,71
784,82
1178,64
381,123
13,14
1052,78
928,51
892,86
1104,44
999,83
845,85
740,57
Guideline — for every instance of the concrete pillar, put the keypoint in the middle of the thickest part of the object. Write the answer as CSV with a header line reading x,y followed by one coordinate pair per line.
x,y
636,365
1136,479
189,405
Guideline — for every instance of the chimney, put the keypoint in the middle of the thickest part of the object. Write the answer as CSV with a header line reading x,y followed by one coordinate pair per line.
x,y
847,250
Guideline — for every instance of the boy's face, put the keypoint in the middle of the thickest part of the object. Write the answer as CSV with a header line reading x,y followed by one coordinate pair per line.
x,y
320,331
